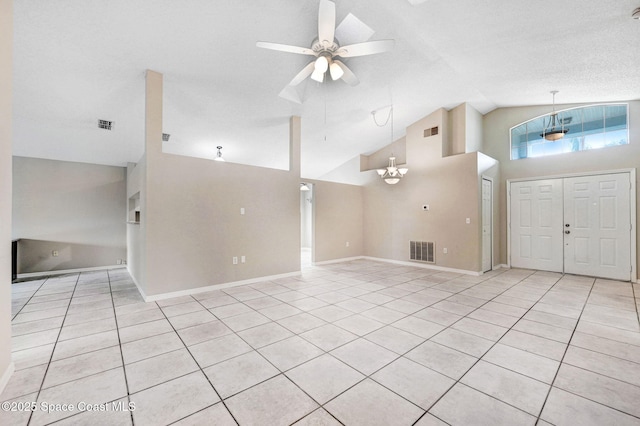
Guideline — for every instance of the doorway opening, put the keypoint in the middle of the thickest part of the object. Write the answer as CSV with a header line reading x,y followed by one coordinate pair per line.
x,y
306,225
487,224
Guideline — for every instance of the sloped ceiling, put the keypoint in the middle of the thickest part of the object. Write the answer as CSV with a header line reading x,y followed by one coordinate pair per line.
x,y
77,61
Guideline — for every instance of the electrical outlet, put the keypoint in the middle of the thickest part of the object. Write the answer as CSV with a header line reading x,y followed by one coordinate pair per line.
x,y
124,262
235,260
241,210
54,253
347,244
119,262
468,220
243,259
445,250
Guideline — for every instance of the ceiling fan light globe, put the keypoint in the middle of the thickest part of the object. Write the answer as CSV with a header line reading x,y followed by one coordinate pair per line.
x,y
317,76
336,71
322,64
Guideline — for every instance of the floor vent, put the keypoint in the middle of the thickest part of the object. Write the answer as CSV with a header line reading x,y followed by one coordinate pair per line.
x,y
105,124
423,251
431,132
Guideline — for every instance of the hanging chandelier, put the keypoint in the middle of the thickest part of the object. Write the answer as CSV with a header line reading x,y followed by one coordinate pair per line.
x,y
219,154
392,174
554,130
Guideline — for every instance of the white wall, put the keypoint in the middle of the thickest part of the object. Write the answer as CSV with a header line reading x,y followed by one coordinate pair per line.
x,y
76,209
6,56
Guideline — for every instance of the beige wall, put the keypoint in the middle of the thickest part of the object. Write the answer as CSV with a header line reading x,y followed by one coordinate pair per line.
x,y
338,220
457,131
76,209
6,42
393,214
191,226
496,144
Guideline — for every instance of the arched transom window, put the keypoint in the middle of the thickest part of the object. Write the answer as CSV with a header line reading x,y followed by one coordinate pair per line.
x,y
575,129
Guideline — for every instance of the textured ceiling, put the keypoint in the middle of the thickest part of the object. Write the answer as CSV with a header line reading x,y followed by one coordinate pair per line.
x,y
76,61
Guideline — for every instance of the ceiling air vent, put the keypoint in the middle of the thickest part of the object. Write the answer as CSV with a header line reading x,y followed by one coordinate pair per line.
x,y
105,124
431,132
165,137
423,251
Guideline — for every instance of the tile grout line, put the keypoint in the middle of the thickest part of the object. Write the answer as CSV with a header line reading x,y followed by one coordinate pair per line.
x,y
54,345
368,376
280,372
492,346
198,364
635,301
30,297
124,371
564,354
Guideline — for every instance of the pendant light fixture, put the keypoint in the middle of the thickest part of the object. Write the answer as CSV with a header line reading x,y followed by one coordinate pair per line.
x,y
304,187
554,129
392,174
219,154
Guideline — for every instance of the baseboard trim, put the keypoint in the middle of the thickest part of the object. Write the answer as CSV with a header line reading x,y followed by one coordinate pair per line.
x,y
188,292
4,380
420,265
341,260
67,271
501,265
140,290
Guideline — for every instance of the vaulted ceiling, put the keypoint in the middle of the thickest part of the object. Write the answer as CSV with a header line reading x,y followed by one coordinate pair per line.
x,y
77,61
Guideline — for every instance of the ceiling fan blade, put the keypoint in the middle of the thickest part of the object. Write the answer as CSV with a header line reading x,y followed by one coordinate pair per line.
x,y
352,30
291,93
306,72
285,48
349,77
326,22
367,48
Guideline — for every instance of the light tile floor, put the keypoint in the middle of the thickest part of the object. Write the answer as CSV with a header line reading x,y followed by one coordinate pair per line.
x,y
357,343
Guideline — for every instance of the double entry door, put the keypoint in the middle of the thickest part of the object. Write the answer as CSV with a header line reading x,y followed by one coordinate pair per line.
x,y
576,225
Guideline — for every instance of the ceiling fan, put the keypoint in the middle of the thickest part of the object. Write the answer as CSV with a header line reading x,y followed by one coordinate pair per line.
x,y
327,49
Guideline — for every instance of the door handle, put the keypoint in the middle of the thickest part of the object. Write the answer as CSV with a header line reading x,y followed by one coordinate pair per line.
x,y
567,232
566,224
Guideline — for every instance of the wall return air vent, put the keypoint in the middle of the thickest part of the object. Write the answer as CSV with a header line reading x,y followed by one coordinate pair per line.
x,y
430,132
423,251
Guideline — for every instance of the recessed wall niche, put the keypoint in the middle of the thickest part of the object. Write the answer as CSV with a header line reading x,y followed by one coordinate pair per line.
x,y
134,208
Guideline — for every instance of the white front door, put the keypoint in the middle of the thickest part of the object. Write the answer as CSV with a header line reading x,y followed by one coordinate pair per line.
x,y
536,225
597,226
487,220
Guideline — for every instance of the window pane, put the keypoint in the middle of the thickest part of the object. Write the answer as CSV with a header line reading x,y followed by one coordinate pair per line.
x,y
585,128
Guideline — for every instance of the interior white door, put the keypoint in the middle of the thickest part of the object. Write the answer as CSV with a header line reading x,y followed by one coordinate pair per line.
x,y
536,225
597,217
487,220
